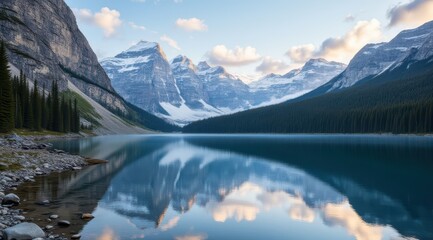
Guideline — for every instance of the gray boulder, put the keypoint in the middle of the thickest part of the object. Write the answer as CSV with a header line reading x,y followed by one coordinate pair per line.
x,y
23,231
11,199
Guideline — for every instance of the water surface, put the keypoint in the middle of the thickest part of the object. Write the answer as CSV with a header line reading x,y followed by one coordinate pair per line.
x,y
245,187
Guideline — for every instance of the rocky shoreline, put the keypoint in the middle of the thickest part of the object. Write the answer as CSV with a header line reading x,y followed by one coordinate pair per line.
x,y
21,160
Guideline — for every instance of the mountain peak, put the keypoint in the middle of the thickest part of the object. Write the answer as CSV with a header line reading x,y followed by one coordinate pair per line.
x,y
143,45
202,66
321,62
181,59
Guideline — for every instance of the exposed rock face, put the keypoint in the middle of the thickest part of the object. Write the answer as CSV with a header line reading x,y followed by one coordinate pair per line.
x,y
225,90
182,92
190,86
277,88
375,59
178,91
142,76
44,41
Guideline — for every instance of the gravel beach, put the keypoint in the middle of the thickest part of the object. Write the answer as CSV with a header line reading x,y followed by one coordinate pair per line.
x,y
21,160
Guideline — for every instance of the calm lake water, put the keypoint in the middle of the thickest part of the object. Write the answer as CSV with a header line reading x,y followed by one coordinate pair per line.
x,y
244,187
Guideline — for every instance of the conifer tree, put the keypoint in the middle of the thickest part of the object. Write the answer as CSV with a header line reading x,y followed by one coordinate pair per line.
x,y
76,117
6,94
66,115
37,110
55,108
44,117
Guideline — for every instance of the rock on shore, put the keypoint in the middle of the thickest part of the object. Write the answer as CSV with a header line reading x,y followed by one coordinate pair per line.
x,y
21,159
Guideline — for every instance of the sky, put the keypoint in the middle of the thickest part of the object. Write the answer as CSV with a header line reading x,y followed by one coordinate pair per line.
x,y
250,38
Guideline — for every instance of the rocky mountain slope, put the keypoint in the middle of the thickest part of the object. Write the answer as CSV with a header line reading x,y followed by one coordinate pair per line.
x,y
275,89
391,92
45,42
182,92
375,59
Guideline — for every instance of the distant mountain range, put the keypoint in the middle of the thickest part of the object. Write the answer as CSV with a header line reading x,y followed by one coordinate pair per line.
x,y
387,87
183,92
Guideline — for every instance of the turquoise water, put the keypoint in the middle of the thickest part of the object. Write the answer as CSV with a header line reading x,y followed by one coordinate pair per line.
x,y
251,187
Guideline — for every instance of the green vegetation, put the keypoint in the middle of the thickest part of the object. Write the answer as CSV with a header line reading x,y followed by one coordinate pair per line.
x,y
87,111
30,108
399,101
6,97
28,132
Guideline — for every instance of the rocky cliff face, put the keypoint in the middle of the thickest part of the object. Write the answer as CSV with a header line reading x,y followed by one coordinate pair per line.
x,y
191,87
178,90
44,41
274,88
374,59
183,92
142,75
225,91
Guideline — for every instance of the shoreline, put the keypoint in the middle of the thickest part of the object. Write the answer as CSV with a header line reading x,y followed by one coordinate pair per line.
x,y
22,158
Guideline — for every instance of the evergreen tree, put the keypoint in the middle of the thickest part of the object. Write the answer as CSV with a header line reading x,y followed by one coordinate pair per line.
x,y
71,116
37,109
28,110
76,117
66,116
44,117
6,95
49,104
56,119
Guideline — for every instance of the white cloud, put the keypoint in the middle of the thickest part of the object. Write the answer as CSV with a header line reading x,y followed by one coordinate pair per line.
x,y
302,213
240,210
191,24
221,55
170,224
413,13
106,19
270,65
301,54
340,48
135,26
343,215
171,42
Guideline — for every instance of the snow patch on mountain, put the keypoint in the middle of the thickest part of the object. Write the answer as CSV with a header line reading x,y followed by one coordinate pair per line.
x,y
182,92
375,59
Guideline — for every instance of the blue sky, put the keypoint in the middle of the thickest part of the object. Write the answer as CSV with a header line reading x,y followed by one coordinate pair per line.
x,y
253,37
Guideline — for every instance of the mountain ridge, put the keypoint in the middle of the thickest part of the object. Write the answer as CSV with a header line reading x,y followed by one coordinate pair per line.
x,y
398,99
200,91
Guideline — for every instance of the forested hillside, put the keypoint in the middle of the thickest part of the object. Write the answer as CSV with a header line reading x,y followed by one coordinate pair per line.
x,y
397,101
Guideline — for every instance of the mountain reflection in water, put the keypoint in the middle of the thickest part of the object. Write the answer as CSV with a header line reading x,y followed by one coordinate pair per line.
x,y
251,187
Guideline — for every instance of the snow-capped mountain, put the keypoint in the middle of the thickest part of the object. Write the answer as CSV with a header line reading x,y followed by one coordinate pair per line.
x,y
142,75
225,90
274,88
183,92
374,59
